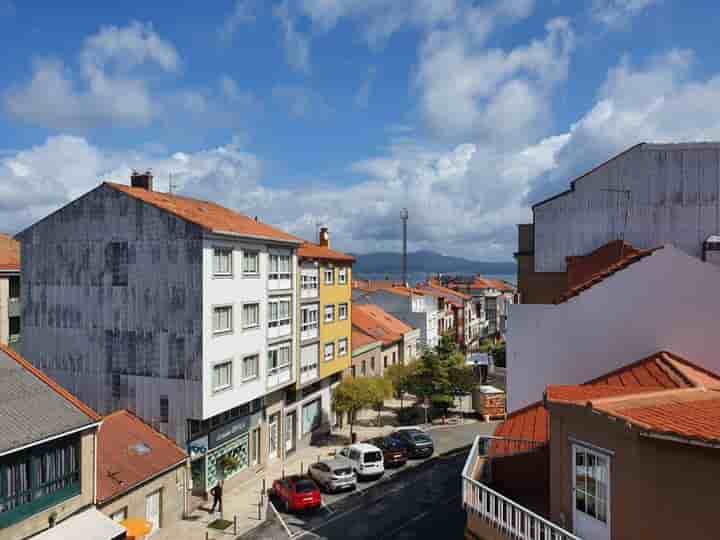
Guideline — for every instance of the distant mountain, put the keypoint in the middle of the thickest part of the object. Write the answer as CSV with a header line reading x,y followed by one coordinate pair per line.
x,y
427,261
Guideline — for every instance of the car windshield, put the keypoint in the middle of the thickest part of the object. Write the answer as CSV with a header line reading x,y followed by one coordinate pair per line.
x,y
304,486
342,472
372,457
420,437
391,444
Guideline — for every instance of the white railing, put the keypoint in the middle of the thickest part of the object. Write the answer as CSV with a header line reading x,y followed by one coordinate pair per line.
x,y
515,520
279,375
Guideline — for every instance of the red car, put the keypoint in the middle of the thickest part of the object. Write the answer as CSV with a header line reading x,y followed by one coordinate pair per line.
x,y
297,493
394,455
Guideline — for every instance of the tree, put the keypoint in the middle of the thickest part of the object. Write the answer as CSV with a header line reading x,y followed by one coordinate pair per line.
x,y
351,396
399,376
380,389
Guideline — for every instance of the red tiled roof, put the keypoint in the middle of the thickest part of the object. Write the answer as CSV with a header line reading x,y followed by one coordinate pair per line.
x,y
480,282
9,254
86,409
435,284
583,394
314,251
604,272
531,423
361,339
206,214
121,463
394,287
378,323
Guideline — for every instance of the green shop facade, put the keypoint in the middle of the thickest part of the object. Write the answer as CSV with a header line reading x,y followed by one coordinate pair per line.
x,y
222,452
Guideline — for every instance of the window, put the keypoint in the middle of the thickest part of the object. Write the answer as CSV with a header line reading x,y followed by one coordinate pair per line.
x,y
592,479
329,351
222,261
385,361
14,284
164,409
364,368
329,276
250,367
309,281
342,312
394,357
309,318
222,376
372,364
278,313
222,319
280,267
342,347
342,276
311,416
251,315
329,313
251,263
278,358
120,515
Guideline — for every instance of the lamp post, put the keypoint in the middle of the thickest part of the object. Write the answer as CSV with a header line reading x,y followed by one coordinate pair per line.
x,y
404,217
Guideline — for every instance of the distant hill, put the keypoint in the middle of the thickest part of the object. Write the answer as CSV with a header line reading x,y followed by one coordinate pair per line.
x,y
427,261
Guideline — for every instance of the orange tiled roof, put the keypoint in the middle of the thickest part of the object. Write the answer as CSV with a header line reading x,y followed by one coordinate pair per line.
x,y
377,323
391,286
9,254
121,463
361,339
435,284
54,385
206,214
604,272
313,251
480,282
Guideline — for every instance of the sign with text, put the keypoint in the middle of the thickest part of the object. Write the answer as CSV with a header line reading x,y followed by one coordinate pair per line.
x,y
229,431
198,447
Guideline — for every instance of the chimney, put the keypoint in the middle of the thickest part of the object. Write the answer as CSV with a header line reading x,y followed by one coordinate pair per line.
x,y
142,180
324,237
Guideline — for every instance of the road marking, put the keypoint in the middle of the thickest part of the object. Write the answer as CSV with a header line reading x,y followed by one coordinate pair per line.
x,y
282,521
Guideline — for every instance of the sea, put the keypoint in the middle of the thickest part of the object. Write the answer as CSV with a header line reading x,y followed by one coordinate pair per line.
x,y
417,277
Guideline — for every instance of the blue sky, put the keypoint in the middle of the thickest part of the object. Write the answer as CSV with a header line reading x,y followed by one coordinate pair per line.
x,y
343,112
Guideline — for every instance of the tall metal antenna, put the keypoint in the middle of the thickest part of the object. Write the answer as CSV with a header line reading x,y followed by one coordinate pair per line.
x,y
628,195
171,185
404,217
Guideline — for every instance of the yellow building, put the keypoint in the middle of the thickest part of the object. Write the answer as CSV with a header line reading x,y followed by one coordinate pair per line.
x,y
324,340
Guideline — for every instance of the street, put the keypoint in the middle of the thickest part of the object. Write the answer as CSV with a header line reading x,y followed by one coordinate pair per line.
x,y
421,500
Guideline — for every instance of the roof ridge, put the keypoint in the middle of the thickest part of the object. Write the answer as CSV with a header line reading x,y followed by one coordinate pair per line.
x,y
638,393
52,383
669,367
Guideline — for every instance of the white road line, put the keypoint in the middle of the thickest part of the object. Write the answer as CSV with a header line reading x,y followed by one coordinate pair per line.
x,y
282,521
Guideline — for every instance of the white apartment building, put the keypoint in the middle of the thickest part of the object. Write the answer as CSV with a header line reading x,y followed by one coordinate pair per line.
x,y
180,310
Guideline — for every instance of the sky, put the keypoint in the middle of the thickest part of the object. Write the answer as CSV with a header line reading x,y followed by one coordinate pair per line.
x,y
343,112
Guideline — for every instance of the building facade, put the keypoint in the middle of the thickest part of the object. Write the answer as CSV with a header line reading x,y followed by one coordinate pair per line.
x,y
492,298
466,326
371,320
10,311
366,355
179,310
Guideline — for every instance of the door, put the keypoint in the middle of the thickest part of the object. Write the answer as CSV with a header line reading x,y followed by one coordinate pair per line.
x,y
152,510
290,431
591,493
274,428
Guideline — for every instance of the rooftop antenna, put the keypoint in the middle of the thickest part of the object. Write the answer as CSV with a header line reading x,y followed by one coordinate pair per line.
x,y
404,218
628,196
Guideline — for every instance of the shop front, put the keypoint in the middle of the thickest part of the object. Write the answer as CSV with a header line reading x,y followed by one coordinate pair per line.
x,y
222,453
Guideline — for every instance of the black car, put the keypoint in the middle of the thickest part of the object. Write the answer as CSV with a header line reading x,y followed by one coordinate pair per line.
x,y
417,443
394,452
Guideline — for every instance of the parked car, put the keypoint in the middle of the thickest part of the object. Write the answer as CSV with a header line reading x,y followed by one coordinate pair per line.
x,y
333,474
394,453
365,459
296,493
417,443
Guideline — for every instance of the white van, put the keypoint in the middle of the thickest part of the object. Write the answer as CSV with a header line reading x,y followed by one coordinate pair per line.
x,y
366,459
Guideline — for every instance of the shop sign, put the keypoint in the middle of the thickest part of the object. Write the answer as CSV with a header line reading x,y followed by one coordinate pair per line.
x,y
229,431
198,447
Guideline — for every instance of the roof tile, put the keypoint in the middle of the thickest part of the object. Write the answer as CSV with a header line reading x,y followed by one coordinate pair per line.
x,y
9,254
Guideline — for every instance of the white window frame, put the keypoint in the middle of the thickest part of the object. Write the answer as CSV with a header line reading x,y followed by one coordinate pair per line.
x,y
245,325
330,271
221,331
331,346
342,276
229,384
309,281
332,313
342,347
309,325
340,311
279,321
277,272
273,364
248,273
227,251
246,378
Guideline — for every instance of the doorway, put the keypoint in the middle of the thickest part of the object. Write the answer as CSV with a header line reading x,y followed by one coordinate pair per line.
x,y
591,493
274,429
290,431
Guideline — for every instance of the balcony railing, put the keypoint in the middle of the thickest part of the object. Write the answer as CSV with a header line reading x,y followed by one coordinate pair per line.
x,y
279,375
502,513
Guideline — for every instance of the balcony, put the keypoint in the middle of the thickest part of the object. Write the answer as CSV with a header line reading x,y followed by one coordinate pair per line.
x,y
309,373
309,331
505,490
279,329
279,375
279,282
309,292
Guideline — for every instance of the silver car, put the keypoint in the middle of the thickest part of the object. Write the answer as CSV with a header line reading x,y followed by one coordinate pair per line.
x,y
333,474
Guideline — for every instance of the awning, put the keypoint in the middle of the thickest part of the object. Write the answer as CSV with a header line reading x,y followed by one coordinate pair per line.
x,y
87,525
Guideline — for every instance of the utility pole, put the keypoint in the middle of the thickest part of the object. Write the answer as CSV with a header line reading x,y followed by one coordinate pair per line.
x,y
171,185
404,217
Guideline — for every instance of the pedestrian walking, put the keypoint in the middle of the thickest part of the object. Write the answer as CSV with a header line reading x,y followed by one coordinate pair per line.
x,y
217,493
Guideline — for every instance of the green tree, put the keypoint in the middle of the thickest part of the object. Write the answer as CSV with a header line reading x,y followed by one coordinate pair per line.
x,y
399,376
380,389
351,396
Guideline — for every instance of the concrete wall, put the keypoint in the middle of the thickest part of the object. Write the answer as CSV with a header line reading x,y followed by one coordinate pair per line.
x,y
387,356
90,320
675,199
39,522
172,486
667,301
658,489
367,356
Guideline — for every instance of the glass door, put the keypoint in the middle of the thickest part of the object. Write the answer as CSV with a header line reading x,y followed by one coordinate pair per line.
x,y
274,428
591,494
290,431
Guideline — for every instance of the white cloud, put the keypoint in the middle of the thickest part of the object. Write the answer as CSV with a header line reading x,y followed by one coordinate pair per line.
x,y
106,87
617,13
302,102
297,44
243,13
